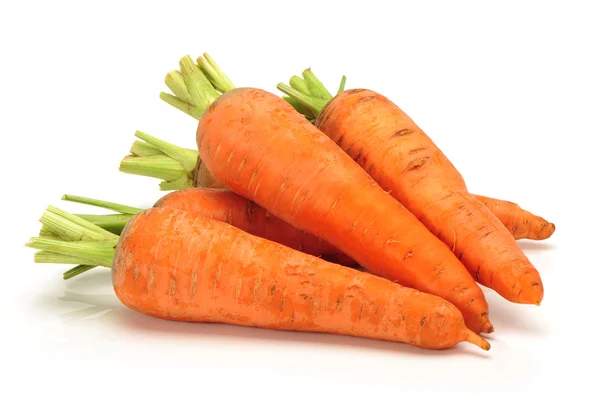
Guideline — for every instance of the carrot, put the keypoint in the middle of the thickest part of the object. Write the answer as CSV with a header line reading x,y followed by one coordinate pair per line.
x,y
163,161
401,158
180,167
225,206
520,223
259,146
176,265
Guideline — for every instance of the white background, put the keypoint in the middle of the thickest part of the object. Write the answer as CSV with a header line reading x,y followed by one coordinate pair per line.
x,y
510,92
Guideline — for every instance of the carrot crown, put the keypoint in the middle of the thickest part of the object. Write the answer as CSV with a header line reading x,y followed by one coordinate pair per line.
x,y
194,88
153,157
83,239
196,85
307,94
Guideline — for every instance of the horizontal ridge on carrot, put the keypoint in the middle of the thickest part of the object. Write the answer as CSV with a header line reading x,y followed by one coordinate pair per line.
x,y
400,157
256,143
176,265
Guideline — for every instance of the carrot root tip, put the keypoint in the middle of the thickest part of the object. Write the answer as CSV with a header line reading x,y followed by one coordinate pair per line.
x,y
477,340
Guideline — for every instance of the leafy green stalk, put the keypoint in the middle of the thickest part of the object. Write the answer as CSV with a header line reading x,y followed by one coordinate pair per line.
x,y
141,148
114,223
217,77
313,103
342,85
308,92
315,87
174,165
77,270
71,227
69,239
299,84
98,252
50,257
84,239
123,209
158,166
195,86
176,84
187,157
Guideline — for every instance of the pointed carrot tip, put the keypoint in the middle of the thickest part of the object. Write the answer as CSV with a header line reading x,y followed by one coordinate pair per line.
x,y
486,326
475,339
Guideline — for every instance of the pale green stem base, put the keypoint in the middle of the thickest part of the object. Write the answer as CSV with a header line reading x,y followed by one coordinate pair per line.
x,y
174,165
80,239
194,86
308,95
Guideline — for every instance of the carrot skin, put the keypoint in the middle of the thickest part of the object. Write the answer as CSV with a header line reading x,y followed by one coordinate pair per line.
x,y
224,205
521,223
176,265
391,148
259,146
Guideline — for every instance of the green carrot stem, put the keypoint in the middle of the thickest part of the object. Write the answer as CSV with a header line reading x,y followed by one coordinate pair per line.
x,y
114,223
195,86
177,184
175,165
300,108
314,97
187,157
71,227
124,209
45,231
201,92
313,103
315,87
78,270
89,252
213,72
185,107
299,84
159,166
141,148
83,243
49,257
342,85
176,84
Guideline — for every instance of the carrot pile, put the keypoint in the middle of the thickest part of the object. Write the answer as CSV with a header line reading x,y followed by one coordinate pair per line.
x,y
310,211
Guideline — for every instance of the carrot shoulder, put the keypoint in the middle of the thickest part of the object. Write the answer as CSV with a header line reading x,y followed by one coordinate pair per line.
x,y
175,265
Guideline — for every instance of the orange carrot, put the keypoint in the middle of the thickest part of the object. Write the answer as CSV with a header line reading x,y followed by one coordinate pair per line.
x,y
182,168
259,146
222,205
400,157
226,206
176,265
520,223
